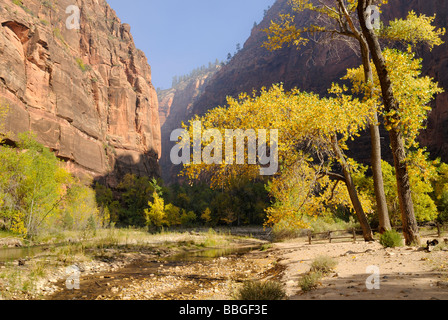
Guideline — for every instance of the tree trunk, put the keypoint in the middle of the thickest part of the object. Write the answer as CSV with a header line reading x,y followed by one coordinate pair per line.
x,y
378,181
375,137
410,228
366,230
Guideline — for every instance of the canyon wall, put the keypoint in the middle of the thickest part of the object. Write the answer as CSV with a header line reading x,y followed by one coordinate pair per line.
x,y
315,66
86,92
175,107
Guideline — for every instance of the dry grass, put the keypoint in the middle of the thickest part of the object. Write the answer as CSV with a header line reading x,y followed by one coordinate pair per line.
x,y
260,291
320,267
69,248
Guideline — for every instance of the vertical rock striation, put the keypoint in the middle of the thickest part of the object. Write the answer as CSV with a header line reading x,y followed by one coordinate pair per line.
x,y
86,93
175,107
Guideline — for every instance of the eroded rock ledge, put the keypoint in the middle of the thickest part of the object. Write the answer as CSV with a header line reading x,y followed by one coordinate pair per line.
x,y
86,93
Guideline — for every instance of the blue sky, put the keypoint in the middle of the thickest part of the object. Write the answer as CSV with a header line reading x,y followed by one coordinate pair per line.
x,y
178,36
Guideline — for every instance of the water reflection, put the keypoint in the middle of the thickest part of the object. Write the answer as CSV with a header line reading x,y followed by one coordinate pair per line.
x,y
212,253
12,254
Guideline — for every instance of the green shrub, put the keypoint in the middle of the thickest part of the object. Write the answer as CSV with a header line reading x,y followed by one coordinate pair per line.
x,y
18,3
261,291
310,281
91,225
391,239
320,267
283,231
188,218
323,265
84,67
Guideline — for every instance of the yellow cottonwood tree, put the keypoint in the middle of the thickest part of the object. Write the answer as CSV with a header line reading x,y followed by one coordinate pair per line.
x,y
349,19
301,194
415,29
334,21
413,92
304,120
391,104
155,215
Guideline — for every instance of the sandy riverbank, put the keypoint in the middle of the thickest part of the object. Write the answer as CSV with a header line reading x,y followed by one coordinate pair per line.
x,y
405,273
147,272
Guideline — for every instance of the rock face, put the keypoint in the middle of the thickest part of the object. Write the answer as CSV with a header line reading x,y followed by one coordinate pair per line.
x,y
315,67
435,65
176,106
86,93
311,68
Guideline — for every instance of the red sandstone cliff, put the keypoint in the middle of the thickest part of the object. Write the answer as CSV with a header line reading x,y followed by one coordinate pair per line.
x,y
86,93
176,106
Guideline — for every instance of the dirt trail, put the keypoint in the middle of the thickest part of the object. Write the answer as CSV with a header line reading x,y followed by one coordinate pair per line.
x,y
404,273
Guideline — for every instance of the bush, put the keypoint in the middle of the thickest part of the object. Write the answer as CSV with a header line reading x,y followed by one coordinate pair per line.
x,y
391,239
323,265
310,281
188,218
80,209
283,231
155,215
261,291
320,267
172,215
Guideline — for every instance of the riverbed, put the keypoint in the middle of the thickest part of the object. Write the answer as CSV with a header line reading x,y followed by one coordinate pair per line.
x,y
185,268
199,275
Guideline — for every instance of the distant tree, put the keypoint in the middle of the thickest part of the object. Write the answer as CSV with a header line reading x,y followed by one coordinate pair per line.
x,y
175,81
265,13
172,215
238,47
188,218
229,57
155,214
207,216
154,184
440,195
